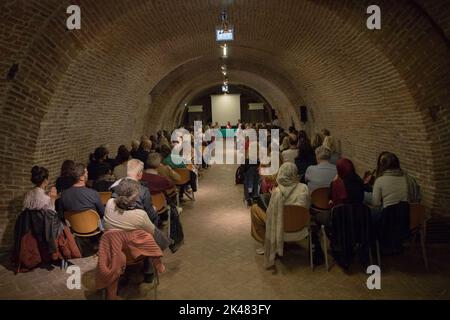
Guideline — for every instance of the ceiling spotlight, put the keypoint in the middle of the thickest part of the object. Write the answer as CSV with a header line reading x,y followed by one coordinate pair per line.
x,y
224,50
224,67
224,73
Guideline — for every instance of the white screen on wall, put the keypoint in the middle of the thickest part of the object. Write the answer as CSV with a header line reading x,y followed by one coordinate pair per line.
x,y
226,107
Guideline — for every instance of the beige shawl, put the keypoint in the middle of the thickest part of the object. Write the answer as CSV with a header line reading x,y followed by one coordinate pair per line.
x,y
288,192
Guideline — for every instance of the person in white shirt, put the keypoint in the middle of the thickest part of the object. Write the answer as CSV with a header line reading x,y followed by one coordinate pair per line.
x,y
290,154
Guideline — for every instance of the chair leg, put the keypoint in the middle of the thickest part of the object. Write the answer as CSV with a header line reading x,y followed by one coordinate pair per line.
x,y
155,283
325,247
310,251
424,252
378,253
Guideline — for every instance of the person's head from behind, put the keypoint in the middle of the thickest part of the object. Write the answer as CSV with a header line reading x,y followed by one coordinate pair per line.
x,y
80,174
165,151
135,169
326,132
288,175
317,140
387,161
67,168
144,137
293,141
329,143
323,154
39,176
123,155
304,147
154,160
127,194
302,134
344,168
146,145
135,144
291,129
100,153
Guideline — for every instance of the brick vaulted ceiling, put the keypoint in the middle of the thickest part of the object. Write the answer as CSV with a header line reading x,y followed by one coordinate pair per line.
x,y
375,90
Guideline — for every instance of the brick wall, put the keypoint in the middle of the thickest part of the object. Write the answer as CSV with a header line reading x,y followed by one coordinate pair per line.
x,y
375,90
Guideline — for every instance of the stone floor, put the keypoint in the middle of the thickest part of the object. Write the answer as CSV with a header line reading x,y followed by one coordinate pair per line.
x,y
218,261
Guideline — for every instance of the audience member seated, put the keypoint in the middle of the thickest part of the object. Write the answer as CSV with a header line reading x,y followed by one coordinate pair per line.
x,y
162,140
330,144
317,141
168,173
174,161
104,181
65,180
135,170
392,185
320,175
39,234
346,188
98,164
177,162
37,198
144,150
306,157
79,197
110,161
123,155
290,154
267,227
134,148
122,213
155,182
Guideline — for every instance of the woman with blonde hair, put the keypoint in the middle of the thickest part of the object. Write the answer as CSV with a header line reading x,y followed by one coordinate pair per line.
x,y
330,144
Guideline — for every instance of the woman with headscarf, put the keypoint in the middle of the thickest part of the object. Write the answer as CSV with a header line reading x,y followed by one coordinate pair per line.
x,y
348,187
267,227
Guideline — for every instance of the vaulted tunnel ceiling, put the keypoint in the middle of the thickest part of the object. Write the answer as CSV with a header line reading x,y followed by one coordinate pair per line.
x,y
78,89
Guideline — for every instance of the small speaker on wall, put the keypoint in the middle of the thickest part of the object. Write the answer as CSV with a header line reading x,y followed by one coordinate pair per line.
x,y
303,114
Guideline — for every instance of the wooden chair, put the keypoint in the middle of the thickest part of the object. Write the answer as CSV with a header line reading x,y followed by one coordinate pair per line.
x,y
83,224
418,226
105,196
297,226
319,199
159,202
185,178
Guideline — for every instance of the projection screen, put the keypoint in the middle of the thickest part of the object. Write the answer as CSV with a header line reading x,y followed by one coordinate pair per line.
x,y
226,107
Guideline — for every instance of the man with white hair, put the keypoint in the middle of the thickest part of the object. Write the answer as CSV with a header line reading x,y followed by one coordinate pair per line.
x,y
320,175
135,170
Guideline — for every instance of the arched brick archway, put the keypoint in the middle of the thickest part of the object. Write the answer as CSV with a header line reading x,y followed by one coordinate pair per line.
x,y
386,89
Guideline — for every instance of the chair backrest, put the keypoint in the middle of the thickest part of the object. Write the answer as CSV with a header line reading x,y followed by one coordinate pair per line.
x,y
416,215
105,196
83,222
185,176
159,201
296,218
319,198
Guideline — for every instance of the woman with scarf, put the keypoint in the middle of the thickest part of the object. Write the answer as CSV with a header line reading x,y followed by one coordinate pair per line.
x,y
267,227
346,188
